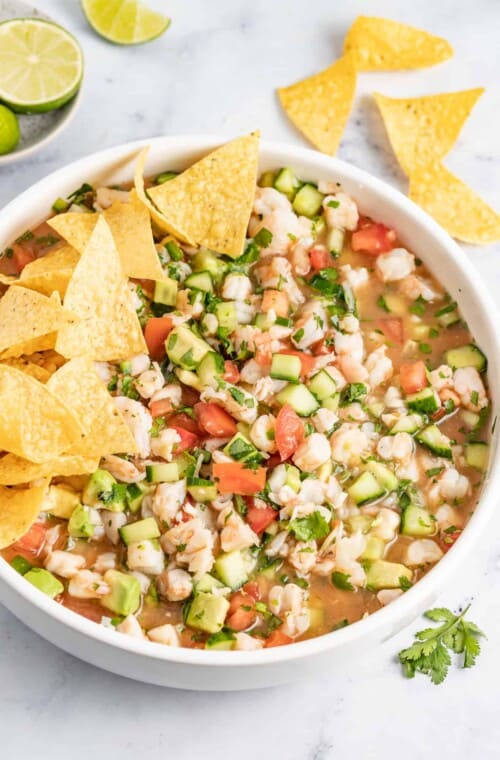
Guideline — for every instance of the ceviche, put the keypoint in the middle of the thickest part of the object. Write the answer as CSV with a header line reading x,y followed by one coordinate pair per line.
x,y
263,440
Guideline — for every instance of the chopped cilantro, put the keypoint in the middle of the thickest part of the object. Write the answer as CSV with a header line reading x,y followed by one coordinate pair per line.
x,y
263,238
382,304
341,581
313,526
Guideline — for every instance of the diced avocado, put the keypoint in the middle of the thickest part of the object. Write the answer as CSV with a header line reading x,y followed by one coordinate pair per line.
x,y
433,439
285,367
208,584
124,596
185,348
210,368
226,315
206,261
162,472
410,423
477,455
416,521
466,356
335,240
60,501
382,574
267,179
300,399
79,524
135,495
383,474
308,201
426,401
207,612
188,377
44,581
142,530
222,641
374,549
448,315
357,523
365,488
293,477
165,292
200,281
241,449
201,489
322,385
99,487
231,569
287,183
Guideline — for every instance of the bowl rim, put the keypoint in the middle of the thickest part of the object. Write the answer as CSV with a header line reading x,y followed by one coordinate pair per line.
x,y
400,610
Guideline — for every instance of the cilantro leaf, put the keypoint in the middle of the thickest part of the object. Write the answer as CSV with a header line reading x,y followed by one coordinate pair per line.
x,y
341,581
263,238
310,527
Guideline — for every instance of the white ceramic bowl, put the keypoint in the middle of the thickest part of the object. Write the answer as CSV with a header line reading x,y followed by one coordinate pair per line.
x,y
198,669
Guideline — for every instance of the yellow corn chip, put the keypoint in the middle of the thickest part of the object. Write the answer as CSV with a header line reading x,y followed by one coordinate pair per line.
x,y
28,321
34,424
378,44
23,364
108,328
158,218
78,385
454,205
130,225
210,203
19,508
320,105
51,272
14,470
7,279
425,129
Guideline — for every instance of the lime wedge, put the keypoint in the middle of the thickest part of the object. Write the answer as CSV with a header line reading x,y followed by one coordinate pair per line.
x,y
124,22
9,130
41,65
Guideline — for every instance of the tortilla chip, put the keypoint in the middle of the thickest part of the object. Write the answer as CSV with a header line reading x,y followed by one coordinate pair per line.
x,y
320,105
108,328
158,218
210,203
454,205
14,470
130,225
425,129
7,279
34,424
78,384
19,508
51,272
25,365
378,44
28,321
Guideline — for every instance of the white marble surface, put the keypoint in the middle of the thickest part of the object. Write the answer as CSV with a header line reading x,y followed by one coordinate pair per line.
x,y
214,72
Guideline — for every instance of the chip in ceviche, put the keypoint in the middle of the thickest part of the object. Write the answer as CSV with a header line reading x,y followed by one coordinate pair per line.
x,y
107,328
379,44
50,272
424,129
319,106
209,204
454,205
15,470
18,511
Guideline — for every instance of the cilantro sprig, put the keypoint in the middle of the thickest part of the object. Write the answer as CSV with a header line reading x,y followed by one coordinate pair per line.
x,y
431,653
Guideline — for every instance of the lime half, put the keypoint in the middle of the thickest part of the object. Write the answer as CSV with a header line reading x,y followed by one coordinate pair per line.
x,y
124,22
9,130
41,65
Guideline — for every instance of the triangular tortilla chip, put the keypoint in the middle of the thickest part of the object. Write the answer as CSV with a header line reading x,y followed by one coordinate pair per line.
x,y
158,218
320,105
34,424
78,384
28,321
19,508
14,470
425,129
24,365
51,272
108,328
130,225
210,203
378,44
454,205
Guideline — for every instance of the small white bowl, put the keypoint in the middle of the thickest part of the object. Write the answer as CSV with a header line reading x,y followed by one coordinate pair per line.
x,y
37,129
199,669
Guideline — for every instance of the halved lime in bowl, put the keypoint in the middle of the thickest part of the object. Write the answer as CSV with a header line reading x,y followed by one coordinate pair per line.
x,y
124,22
41,65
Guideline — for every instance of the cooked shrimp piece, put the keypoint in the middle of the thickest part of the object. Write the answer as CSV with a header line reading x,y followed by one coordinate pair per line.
x,y
168,500
64,564
421,552
262,433
146,557
349,444
341,211
276,273
122,469
400,446
395,265
414,287
289,603
193,544
85,584
386,524
235,534
164,444
274,212
470,388
165,634
139,422
106,196
379,367
131,626
347,550
350,344
150,382
175,584
247,643
312,453
303,556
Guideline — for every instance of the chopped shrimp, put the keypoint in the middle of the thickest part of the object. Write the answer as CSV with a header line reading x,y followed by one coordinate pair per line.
x,y
150,382
170,391
442,377
379,367
355,277
312,453
350,344
470,388
237,287
414,287
106,196
168,500
131,627
64,564
247,643
112,522
274,213
400,446
347,551
421,552
235,533
193,544
246,411
146,557
341,211
299,258
289,603
277,274
388,595
349,444
262,433
303,556
85,584
395,265
164,444
139,422
122,469
165,634
175,584
385,525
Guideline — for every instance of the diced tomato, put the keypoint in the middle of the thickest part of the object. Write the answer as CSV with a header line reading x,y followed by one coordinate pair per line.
x,y
288,431
252,588
373,239
260,519
306,360
277,639
160,408
392,327
447,540
231,372
32,541
21,256
234,477
276,300
89,608
241,613
413,377
190,396
263,358
155,333
183,420
320,257
188,439
214,420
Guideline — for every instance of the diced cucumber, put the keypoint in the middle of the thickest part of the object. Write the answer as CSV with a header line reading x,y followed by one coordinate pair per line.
x,y
382,574
365,488
477,455
383,474
471,419
358,523
374,549
448,315
426,401
331,403
395,303
226,315
208,584
135,495
207,261
335,240
433,439
207,612
201,489
185,348
210,368
287,183
284,367
300,399
223,641
410,423
165,292
142,530
200,281
308,201
322,385
231,569
264,321
416,521
79,524
466,356
240,448
99,487
162,472
293,477
188,377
